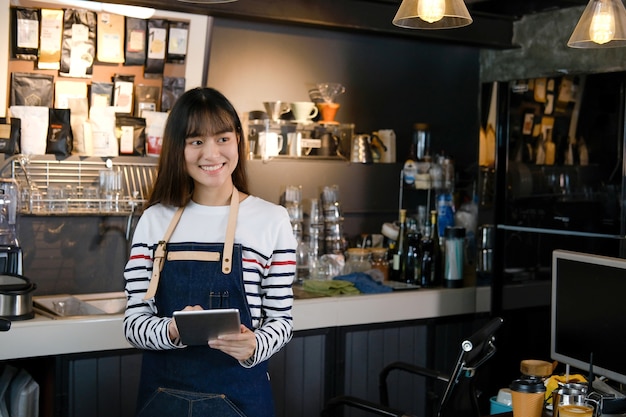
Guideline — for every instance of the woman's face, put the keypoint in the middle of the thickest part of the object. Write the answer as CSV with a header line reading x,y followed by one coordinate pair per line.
x,y
210,160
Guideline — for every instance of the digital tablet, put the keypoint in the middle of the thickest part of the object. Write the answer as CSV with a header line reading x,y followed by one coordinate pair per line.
x,y
197,327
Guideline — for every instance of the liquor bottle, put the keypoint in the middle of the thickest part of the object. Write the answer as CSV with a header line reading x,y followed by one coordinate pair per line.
x,y
437,253
430,268
399,256
409,170
413,262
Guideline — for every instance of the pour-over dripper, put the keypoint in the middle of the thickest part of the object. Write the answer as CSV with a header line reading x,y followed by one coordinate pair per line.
x,y
330,91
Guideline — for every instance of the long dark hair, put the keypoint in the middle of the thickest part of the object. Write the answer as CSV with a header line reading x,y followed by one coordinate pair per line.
x,y
201,111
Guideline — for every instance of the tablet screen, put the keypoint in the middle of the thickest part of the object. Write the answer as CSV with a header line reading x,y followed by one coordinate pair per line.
x,y
197,327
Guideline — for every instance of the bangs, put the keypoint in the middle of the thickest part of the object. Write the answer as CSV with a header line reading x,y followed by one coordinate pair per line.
x,y
209,122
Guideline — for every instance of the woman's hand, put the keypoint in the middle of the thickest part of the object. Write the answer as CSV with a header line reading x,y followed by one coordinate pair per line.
x,y
172,329
240,346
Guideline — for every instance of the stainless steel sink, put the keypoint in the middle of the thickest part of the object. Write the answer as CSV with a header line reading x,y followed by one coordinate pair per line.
x,y
80,305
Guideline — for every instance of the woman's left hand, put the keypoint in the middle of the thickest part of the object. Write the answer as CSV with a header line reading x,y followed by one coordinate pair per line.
x,y
240,346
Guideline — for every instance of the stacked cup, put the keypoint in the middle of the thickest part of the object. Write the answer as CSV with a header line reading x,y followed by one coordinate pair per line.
x,y
314,226
292,201
333,220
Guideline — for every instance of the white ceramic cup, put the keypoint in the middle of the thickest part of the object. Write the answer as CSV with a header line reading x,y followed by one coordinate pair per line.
x,y
270,143
303,111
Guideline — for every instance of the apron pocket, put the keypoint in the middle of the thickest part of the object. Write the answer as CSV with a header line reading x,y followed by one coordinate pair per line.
x,y
167,402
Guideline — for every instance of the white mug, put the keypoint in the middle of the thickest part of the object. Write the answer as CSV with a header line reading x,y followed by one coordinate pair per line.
x,y
303,111
270,143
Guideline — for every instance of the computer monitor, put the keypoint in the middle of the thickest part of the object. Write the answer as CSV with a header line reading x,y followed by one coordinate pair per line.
x,y
589,313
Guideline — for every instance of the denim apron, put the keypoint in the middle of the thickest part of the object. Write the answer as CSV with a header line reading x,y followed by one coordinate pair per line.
x,y
198,380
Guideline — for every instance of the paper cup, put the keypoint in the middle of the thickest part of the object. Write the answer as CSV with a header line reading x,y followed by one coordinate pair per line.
x,y
527,397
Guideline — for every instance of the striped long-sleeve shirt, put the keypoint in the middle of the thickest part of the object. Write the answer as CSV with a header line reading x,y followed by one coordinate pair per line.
x,y
268,253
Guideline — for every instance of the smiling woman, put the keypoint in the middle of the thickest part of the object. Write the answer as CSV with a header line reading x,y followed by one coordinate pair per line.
x,y
178,262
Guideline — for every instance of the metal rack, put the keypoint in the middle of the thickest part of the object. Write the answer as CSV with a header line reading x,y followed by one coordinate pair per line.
x,y
35,176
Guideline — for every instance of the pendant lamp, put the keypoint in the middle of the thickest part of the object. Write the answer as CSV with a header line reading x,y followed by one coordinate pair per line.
x,y
602,25
432,14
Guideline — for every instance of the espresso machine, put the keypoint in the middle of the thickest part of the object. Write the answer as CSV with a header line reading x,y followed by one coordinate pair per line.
x,y
10,250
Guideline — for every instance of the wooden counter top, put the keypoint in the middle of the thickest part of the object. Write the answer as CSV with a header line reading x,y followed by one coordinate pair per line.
x,y
43,336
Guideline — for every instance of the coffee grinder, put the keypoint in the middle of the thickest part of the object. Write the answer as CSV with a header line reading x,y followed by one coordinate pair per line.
x,y
10,250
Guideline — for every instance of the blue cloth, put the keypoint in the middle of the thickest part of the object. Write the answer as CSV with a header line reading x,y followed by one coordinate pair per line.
x,y
365,283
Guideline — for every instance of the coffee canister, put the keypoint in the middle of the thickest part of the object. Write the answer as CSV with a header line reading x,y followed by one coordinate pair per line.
x,y
454,256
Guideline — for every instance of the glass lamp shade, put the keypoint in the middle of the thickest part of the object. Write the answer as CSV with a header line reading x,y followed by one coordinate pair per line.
x,y
602,25
432,14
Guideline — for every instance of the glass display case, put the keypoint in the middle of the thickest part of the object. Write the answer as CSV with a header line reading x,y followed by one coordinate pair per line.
x,y
559,170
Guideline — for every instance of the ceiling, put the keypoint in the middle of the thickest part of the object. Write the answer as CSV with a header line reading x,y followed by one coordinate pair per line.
x,y
510,9
492,26
515,9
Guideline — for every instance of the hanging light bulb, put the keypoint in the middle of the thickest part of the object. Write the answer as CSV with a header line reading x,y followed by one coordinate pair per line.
x,y
431,10
432,14
602,28
602,25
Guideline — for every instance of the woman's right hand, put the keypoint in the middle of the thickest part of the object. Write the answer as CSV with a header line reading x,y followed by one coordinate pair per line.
x,y
173,329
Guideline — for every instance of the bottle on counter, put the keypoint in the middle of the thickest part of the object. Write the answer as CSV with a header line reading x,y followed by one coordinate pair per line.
x,y
409,170
430,268
379,261
399,256
413,261
445,212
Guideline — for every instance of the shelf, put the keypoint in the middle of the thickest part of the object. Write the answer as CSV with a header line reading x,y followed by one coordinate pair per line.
x,y
564,232
75,176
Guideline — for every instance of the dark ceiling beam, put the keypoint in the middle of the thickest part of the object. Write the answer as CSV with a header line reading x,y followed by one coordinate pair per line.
x,y
348,15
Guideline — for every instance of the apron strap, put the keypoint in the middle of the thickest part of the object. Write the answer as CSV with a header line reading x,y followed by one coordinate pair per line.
x,y
227,260
159,255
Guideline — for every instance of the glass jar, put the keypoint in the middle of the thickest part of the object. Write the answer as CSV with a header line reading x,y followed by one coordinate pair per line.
x,y
357,260
379,261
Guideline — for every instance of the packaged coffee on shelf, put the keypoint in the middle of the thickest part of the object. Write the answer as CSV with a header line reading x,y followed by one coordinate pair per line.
x,y
78,48
177,42
50,39
34,128
32,89
135,45
110,43
79,113
155,126
25,33
173,87
59,140
146,98
101,94
123,86
131,134
9,135
157,43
